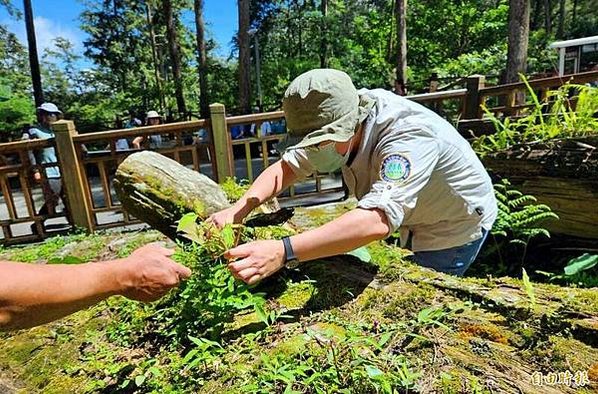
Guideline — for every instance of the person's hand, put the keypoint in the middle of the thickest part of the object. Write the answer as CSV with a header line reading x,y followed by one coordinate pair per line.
x,y
37,177
254,261
149,273
230,215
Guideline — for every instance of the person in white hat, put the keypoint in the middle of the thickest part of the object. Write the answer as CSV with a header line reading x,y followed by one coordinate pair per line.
x,y
409,169
153,118
47,176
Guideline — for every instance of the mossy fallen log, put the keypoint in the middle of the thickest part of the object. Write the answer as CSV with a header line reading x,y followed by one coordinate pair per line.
x,y
158,191
562,174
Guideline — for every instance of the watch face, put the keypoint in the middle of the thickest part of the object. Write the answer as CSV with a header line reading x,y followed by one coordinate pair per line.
x,y
292,264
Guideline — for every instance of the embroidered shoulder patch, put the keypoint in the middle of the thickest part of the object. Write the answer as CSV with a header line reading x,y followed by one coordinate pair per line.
x,y
395,168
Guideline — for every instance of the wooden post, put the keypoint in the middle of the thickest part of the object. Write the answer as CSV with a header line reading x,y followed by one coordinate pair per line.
x,y
72,179
473,98
433,83
222,143
433,87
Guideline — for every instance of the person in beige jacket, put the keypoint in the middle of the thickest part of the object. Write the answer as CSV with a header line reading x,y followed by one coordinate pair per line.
x,y
409,169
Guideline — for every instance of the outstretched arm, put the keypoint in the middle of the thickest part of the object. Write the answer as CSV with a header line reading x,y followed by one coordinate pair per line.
x,y
36,294
254,261
268,184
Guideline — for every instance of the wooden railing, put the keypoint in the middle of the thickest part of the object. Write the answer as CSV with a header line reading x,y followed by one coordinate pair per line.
x,y
258,151
180,141
88,161
508,100
22,198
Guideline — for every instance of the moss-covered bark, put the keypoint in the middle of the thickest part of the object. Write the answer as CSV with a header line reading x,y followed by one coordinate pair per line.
x,y
447,334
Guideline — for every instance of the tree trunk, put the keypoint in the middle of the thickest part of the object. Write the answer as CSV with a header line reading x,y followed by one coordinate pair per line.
x,y
36,79
202,60
244,57
150,23
324,34
175,56
401,21
562,15
299,13
535,15
518,39
548,16
562,174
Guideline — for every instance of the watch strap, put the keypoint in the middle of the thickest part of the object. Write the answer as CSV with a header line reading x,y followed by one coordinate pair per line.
x,y
289,254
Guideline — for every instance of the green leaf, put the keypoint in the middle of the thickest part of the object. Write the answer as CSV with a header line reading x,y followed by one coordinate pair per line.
x,y
261,314
581,263
362,254
228,236
373,372
139,380
385,337
195,237
187,222
196,341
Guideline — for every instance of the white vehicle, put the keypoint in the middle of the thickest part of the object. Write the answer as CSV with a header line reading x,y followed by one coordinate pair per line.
x,y
577,55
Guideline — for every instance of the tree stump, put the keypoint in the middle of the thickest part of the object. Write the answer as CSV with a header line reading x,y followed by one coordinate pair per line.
x,y
158,191
562,174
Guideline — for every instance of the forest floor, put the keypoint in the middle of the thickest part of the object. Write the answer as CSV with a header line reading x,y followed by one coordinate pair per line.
x,y
336,325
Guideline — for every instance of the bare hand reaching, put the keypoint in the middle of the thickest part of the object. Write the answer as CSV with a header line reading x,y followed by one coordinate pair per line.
x,y
150,273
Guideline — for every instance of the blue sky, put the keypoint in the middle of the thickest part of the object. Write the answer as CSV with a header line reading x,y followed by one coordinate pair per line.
x,y
60,18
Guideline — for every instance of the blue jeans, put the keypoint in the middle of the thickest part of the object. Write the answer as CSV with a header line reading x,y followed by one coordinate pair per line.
x,y
453,261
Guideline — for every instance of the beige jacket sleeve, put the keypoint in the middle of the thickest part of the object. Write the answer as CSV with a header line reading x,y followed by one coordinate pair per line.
x,y
404,162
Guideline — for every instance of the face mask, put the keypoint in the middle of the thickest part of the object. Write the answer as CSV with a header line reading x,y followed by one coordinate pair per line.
x,y
326,158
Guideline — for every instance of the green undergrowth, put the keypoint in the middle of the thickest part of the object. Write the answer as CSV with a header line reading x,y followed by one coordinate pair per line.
x,y
567,112
80,247
337,325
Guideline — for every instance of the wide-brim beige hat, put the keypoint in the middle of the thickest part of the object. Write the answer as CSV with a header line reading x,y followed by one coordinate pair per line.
x,y
322,105
153,114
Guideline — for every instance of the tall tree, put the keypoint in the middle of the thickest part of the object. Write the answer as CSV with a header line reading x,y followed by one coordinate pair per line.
x,y
14,64
155,57
548,16
244,56
202,60
61,75
562,15
175,56
517,40
10,8
114,43
536,14
36,79
401,21
324,34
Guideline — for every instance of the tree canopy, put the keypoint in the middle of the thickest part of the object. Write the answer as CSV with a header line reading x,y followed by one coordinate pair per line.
x,y
146,55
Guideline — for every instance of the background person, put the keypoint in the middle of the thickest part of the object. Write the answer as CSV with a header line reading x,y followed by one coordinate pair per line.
x,y
50,181
34,294
153,118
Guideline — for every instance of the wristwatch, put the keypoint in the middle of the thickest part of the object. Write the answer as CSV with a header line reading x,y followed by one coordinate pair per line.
x,y
290,260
